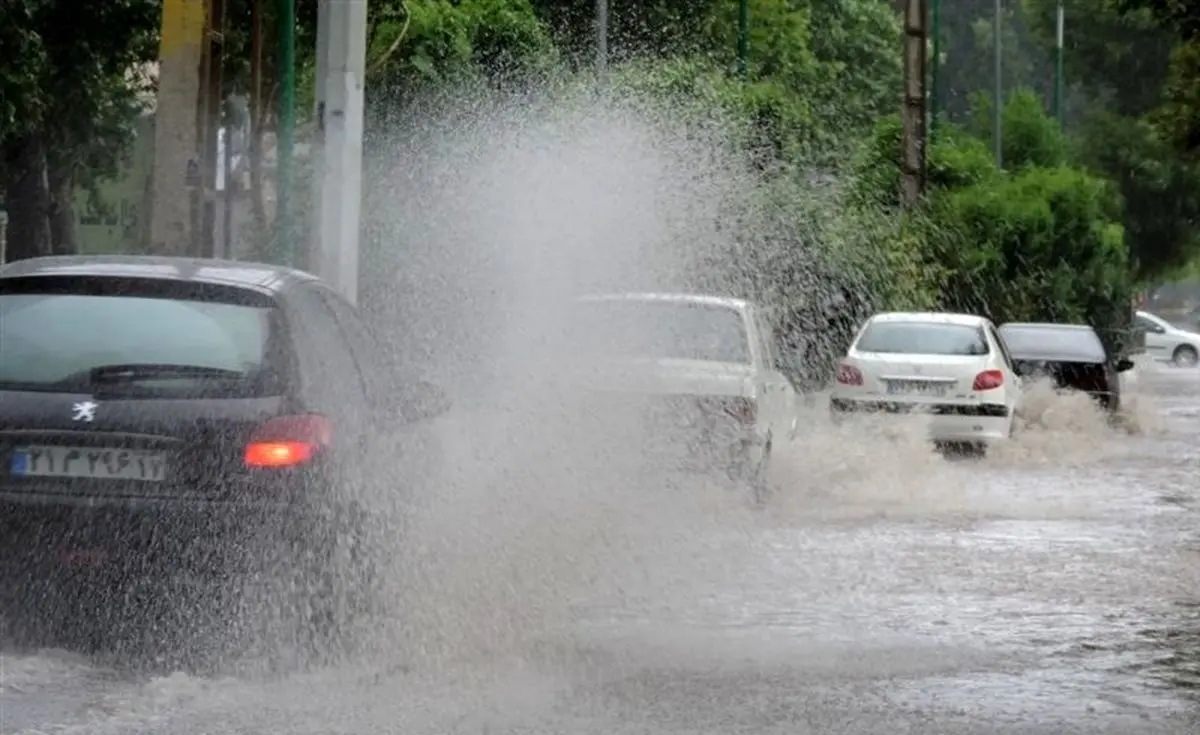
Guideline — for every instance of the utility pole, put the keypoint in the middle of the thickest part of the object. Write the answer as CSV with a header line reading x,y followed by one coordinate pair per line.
x,y
210,128
341,68
913,132
743,37
998,84
601,36
1059,23
178,115
935,87
285,133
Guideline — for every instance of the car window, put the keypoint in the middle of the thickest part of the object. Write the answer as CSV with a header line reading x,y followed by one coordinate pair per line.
x,y
1053,342
55,341
1001,346
329,375
767,337
657,329
363,345
922,338
1147,324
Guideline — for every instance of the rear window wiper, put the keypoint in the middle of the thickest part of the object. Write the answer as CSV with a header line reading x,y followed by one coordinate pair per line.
x,y
130,372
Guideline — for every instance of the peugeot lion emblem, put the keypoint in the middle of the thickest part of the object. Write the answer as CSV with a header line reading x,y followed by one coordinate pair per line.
x,y
85,411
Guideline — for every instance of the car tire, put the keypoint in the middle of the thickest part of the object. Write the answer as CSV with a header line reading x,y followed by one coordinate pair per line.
x,y
1185,356
337,582
754,478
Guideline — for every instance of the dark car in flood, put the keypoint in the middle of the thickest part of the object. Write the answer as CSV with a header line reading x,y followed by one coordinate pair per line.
x,y
1070,355
166,413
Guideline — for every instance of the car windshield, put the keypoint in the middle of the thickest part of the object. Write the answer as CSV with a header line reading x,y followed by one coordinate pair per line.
x,y
922,338
645,328
70,342
1079,344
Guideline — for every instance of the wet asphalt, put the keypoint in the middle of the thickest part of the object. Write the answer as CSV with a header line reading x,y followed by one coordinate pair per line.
x,y
1053,587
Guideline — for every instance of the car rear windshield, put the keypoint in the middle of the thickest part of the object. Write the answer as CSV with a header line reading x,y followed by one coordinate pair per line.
x,y
1071,344
134,345
922,338
659,329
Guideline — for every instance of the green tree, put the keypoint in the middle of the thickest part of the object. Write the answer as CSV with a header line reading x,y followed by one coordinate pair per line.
x,y
1160,191
1179,116
77,93
1121,58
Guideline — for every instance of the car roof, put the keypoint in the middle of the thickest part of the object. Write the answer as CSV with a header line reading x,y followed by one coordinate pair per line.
x,y
1048,326
260,277
679,298
969,320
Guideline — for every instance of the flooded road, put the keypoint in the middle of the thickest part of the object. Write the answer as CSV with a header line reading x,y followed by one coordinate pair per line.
x,y
1053,587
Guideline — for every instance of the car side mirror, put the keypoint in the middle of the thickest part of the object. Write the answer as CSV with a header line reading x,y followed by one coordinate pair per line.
x,y
1124,364
421,400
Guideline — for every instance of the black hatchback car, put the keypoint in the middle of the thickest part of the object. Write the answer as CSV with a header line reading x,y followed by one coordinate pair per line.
x,y
158,412
1071,355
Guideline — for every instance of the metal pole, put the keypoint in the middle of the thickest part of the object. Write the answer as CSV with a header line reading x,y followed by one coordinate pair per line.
x,y
230,191
743,36
285,129
1058,65
934,73
341,59
210,127
998,82
601,36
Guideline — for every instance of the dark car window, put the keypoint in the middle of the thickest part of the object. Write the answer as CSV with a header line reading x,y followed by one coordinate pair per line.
x,y
55,341
658,329
1146,324
1001,346
1037,342
363,345
329,375
922,338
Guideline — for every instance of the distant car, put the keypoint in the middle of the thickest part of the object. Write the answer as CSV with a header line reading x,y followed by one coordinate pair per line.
x,y
1168,343
951,366
701,371
165,413
1071,355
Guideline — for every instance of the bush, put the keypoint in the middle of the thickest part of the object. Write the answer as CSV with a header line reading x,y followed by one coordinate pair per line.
x,y
955,159
1044,244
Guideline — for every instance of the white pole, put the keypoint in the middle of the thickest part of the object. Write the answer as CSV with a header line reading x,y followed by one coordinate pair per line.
x,y
601,35
337,155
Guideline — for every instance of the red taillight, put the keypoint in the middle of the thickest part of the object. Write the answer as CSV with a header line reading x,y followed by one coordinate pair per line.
x,y
288,441
849,375
988,380
740,408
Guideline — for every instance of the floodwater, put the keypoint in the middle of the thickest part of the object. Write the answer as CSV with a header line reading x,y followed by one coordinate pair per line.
x,y
1052,587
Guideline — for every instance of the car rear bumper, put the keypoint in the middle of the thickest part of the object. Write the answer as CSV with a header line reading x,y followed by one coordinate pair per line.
x,y
957,422
136,536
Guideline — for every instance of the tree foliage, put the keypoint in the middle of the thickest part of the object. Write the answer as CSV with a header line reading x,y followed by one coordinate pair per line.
x,y
70,98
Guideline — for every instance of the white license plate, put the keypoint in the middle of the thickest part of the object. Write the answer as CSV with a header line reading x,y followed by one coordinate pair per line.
x,y
915,388
89,463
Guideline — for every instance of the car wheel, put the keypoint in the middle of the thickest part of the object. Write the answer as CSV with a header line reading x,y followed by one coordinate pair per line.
x,y
1184,356
338,580
754,478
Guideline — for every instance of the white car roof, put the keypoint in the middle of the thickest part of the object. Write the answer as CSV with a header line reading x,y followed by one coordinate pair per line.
x,y
969,320
682,298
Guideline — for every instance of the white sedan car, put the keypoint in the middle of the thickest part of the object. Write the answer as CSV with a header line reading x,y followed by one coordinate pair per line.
x,y
954,367
701,371
1167,343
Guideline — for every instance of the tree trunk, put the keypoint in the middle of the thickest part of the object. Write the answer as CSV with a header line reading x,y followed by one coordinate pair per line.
x,y
27,198
63,236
